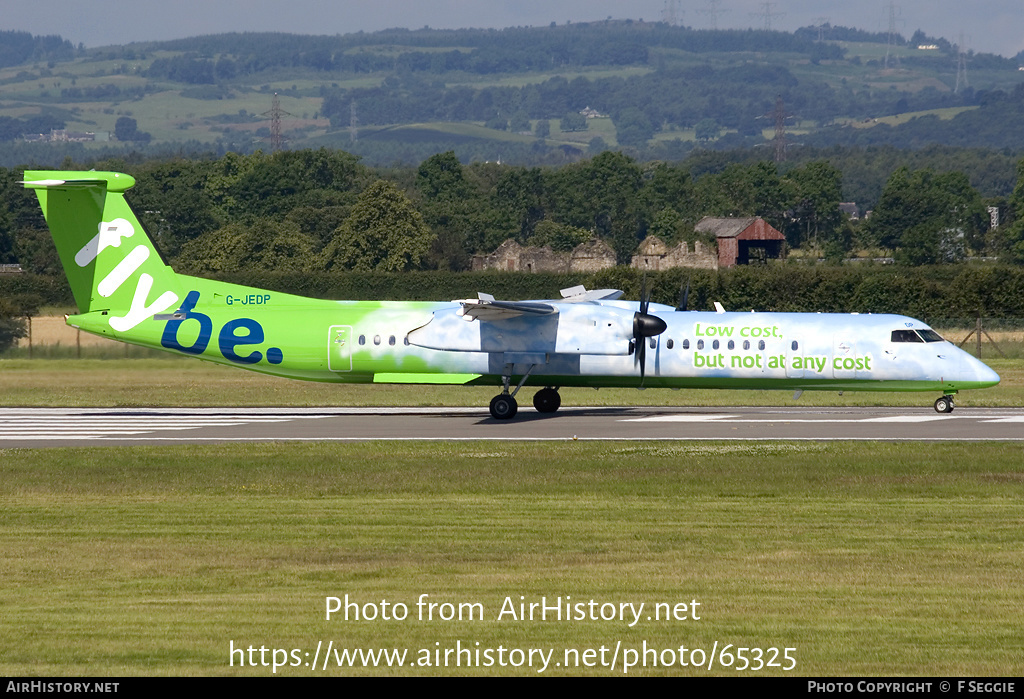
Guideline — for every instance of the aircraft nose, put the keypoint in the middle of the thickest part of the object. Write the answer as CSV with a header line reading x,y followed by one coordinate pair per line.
x,y
976,371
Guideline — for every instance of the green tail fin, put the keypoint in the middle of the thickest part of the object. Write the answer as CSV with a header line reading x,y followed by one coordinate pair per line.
x,y
109,260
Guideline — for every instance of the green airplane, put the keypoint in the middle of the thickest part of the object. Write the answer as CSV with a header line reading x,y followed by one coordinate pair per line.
x,y
126,292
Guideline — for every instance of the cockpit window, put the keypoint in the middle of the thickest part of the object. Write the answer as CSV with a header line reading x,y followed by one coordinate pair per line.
x,y
905,336
930,335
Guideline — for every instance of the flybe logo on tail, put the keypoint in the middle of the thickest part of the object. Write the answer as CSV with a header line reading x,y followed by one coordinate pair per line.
x,y
110,235
234,334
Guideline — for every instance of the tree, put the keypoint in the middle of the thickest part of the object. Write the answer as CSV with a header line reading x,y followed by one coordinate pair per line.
x,y
1012,243
668,226
706,130
542,129
573,121
441,177
384,233
519,123
816,217
260,244
927,217
633,128
452,209
600,195
12,325
559,236
127,129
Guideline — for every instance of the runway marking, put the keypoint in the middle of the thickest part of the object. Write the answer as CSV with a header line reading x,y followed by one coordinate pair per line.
x,y
787,420
682,418
42,424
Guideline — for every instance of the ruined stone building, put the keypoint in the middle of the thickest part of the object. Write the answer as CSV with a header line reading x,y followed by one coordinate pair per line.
x,y
510,256
655,255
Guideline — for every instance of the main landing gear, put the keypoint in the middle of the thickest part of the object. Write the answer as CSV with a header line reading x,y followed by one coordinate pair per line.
x,y
944,404
505,407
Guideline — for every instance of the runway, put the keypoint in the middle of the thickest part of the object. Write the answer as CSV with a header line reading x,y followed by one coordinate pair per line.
x,y
52,427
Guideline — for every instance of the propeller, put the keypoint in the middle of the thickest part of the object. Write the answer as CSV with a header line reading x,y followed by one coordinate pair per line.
x,y
684,295
645,325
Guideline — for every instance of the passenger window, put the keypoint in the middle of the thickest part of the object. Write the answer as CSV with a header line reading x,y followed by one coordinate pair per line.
x,y
760,345
670,344
391,340
700,344
732,345
715,345
376,339
746,344
795,345
362,339
686,344
406,340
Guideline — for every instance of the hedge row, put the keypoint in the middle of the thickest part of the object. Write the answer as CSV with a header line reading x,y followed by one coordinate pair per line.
x,y
922,292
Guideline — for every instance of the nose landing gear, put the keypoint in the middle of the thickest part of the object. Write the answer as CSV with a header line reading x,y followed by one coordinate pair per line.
x,y
944,404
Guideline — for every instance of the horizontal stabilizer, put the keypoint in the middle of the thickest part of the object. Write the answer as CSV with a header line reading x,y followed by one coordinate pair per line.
x,y
113,181
63,184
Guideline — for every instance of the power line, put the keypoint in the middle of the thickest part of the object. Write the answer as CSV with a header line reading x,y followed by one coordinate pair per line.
x,y
713,11
890,43
961,64
671,14
275,114
766,13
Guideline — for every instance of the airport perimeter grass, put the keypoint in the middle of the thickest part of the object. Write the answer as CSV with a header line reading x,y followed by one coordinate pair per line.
x,y
868,559
173,381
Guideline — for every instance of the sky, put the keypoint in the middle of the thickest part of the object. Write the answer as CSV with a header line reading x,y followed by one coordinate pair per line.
x,y
993,26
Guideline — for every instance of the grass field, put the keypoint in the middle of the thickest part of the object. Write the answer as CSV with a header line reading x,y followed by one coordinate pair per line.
x,y
885,559
867,559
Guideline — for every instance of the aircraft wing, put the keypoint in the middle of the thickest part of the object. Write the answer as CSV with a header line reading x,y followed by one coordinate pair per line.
x,y
486,307
489,309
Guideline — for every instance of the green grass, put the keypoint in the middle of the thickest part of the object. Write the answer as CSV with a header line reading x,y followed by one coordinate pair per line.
x,y
166,380
895,120
883,559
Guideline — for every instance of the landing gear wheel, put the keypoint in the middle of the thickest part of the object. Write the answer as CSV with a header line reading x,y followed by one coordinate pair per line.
x,y
547,400
944,404
504,407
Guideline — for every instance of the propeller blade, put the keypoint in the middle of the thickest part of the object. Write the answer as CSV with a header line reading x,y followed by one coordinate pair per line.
x,y
643,359
684,296
644,298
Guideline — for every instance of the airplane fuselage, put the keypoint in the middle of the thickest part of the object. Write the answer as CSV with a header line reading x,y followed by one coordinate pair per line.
x,y
376,342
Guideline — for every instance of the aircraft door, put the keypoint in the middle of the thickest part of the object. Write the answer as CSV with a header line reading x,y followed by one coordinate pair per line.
x,y
844,358
339,348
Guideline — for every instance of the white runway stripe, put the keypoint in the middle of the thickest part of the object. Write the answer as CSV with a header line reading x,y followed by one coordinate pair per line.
x,y
848,420
39,424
